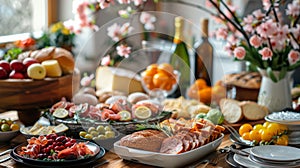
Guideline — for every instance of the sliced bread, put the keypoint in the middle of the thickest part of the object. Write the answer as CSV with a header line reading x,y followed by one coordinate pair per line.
x,y
253,111
231,110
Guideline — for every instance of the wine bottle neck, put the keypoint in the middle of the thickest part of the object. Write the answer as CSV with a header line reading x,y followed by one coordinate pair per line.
x,y
204,28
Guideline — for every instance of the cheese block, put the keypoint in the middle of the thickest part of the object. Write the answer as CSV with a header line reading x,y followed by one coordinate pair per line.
x,y
117,79
52,68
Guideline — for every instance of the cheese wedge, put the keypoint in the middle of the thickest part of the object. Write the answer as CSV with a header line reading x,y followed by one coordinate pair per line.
x,y
52,68
117,79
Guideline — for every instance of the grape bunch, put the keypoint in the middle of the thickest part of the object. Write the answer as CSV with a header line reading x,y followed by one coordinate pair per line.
x,y
265,134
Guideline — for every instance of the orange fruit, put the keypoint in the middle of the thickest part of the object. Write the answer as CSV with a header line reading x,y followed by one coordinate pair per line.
x,y
205,95
147,77
160,80
201,84
165,68
152,69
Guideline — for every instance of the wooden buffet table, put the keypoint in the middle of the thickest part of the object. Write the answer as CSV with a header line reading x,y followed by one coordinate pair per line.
x,y
111,159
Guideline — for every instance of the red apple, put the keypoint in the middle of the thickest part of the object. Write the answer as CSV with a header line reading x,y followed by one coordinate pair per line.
x,y
3,73
5,65
17,65
16,75
28,61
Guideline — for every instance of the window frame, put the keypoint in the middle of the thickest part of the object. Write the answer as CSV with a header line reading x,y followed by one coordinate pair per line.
x,y
51,17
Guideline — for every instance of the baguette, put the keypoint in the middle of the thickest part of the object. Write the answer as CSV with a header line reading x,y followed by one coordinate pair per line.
x,y
253,111
231,110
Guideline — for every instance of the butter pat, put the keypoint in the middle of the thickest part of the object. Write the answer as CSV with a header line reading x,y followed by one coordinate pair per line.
x,y
117,79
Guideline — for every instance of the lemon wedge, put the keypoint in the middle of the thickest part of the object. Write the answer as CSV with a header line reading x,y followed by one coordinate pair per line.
x,y
60,113
142,112
125,115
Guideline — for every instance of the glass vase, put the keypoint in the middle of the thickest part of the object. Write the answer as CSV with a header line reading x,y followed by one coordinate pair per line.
x,y
276,96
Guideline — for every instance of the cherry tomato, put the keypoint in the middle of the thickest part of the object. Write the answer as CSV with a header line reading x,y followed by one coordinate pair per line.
x,y
273,128
257,127
282,140
266,124
246,136
255,135
266,135
245,128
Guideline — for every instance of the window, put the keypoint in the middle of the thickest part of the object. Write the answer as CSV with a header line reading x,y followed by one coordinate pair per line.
x,y
19,18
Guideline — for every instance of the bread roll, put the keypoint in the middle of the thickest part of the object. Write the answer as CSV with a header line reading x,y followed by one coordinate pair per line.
x,y
65,60
43,54
231,110
253,111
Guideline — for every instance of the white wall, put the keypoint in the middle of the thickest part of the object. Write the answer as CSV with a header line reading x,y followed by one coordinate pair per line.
x,y
92,46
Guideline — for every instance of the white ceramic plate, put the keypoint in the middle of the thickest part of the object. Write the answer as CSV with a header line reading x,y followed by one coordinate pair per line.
x,y
294,134
249,163
292,126
276,152
285,116
166,160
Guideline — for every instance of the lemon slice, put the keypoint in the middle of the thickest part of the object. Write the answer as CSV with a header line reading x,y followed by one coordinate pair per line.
x,y
125,115
60,113
142,112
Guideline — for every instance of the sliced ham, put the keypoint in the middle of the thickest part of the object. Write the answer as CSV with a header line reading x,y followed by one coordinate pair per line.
x,y
172,145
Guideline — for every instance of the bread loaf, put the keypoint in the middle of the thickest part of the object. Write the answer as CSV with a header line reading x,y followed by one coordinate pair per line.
x,y
64,57
251,80
231,110
65,60
253,111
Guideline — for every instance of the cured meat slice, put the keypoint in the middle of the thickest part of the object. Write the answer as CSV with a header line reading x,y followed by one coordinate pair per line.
x,y
172,145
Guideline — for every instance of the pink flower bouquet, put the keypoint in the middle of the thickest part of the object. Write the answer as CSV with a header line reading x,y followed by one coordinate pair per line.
x,y
261,38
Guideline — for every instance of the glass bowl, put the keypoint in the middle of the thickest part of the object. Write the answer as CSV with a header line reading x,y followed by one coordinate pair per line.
x,y
159,92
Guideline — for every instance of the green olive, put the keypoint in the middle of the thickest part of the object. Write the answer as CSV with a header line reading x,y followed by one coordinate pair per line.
x,y
101,137
5,127
101,129
107,128
82,133
110,134
91,129
94,133
88,136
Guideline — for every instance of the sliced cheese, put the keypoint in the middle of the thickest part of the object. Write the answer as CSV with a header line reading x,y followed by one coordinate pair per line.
x,y
52,68
117,79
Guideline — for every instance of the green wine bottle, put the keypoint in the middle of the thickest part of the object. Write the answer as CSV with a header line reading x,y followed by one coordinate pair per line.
x,y
180,58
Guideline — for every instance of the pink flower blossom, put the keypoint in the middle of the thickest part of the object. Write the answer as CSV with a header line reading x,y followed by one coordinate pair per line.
x,y
123,50
105,60
221,33
209,4
232,39
87,80
117,32
104,3
232,9
258,14
147,19
248,19
266,4
239,53
255,41
267,29
124,1
293,56
293,9
277,45
266,53
138,2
